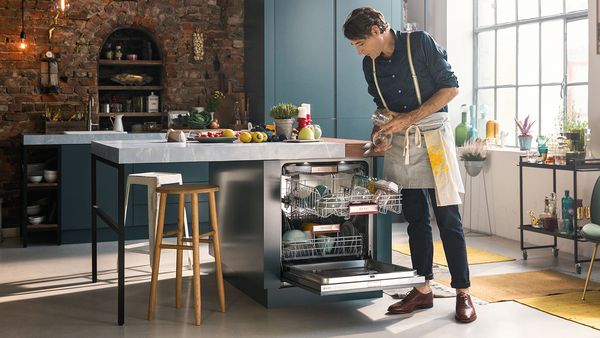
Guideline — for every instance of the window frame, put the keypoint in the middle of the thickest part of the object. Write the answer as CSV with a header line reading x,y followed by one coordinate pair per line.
x,y
565,17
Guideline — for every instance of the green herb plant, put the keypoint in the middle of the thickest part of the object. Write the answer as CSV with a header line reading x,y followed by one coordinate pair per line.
x,y
212,102
283,111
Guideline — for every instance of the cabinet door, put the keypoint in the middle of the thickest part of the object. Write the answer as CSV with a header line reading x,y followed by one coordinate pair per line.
x,y
304,55
352,98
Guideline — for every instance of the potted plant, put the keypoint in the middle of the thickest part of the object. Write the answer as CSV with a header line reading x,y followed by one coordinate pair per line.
x,y
284,115
474,154
574,131
524,136
212,102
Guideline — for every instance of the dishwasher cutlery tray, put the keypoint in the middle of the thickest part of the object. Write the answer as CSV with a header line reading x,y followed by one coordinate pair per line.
x,y
301,200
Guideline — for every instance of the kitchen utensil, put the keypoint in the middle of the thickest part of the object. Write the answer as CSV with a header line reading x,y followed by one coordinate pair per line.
x,y
35,178
105,108
117,122
36,219
33,209
50,176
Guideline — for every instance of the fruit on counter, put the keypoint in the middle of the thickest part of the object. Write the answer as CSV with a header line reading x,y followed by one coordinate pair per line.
x,y
258,137
306,134
317,131
214,124
245,137
228,133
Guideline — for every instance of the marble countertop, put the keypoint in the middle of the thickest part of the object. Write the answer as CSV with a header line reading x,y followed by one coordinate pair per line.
x,y
58,139
153,151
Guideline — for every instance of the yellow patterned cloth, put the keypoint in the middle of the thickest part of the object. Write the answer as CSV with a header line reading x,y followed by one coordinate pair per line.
x,y
444,166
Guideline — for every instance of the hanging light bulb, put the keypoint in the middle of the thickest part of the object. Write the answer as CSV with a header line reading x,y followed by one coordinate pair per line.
x,y
62,6
23,43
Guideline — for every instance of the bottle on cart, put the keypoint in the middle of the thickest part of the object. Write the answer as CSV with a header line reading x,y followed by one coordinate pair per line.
x,y
567,211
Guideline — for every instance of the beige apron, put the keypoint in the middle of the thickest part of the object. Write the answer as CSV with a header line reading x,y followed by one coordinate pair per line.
x,y
435,165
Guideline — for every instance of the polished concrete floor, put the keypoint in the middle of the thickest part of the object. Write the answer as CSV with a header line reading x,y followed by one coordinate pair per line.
x,y
45,291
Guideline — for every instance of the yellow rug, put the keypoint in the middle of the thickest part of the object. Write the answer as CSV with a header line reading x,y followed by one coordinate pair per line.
x,y
570,306
522,285
474,255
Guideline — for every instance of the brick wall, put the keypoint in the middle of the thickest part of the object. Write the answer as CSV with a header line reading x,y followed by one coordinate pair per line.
x,y
79,38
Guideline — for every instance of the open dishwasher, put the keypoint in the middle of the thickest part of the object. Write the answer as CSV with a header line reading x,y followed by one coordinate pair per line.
x,y
327,229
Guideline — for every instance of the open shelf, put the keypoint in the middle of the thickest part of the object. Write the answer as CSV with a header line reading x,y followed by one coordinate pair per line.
x,y
106,62
528,227
42,226
42,185
156,88
136,114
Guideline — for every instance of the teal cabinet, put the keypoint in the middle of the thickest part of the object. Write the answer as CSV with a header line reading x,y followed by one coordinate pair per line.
x,y
306,58
76,196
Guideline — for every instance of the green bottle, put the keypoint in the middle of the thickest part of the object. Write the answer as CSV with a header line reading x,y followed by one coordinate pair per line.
x,y
461,133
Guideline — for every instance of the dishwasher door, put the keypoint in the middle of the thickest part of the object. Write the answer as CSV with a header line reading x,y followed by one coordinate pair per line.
x,y
342,277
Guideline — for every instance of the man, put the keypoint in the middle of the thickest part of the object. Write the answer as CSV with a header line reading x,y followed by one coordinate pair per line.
x,y
394,88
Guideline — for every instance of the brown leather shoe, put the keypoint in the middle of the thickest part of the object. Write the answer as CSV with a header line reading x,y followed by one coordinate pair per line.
x,y
465,311
413,300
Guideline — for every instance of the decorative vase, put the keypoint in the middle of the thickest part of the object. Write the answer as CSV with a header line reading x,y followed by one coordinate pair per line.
x,y
461,131
284,127
472,134
525,142
473,168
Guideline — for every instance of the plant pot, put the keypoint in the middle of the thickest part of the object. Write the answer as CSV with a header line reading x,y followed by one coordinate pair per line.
x,y
525,142
473,168
284,127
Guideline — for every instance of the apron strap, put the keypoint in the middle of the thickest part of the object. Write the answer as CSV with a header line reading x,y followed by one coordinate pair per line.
x,y
406,151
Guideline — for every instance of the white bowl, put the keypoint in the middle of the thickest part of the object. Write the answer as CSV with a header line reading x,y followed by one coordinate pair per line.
x,y
35,178
50,176
36,219
33,209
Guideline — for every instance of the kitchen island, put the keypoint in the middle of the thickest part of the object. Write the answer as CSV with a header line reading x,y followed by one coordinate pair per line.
x,y
249,207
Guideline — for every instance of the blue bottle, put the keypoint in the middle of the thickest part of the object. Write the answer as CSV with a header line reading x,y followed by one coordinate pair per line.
x,y
567,211
472,134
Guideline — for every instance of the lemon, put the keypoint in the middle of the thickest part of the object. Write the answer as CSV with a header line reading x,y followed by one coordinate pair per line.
x,y
258,137
246,137
265,136
228,133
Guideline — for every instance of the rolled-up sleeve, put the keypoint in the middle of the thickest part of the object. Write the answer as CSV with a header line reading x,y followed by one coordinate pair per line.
x,y
368,70
436,59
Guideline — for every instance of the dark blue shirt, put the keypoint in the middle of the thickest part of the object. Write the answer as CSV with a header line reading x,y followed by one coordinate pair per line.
x,y
395,79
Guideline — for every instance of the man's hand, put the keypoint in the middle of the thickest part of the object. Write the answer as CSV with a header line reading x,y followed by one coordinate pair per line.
x,y
398,123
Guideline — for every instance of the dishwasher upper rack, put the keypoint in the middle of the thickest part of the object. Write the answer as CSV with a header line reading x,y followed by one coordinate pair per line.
x,y
301,200
323,246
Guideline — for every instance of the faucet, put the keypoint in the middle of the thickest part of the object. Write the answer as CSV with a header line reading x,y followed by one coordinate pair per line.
x,y
90,111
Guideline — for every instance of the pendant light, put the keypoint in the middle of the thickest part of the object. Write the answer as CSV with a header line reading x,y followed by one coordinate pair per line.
x,y
23,43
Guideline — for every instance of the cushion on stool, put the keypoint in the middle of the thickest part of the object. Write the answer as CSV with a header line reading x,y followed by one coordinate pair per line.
x,y
591,232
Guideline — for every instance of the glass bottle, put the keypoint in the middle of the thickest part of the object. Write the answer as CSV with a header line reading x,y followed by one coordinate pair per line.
x,y
472,134
462,130
118,52
482,121
237,119
109,53
567,211
551,222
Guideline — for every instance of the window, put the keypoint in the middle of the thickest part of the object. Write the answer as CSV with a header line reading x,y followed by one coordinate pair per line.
x,y
532,59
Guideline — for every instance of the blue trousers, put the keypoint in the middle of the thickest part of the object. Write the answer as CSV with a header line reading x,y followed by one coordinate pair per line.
x,y
415,207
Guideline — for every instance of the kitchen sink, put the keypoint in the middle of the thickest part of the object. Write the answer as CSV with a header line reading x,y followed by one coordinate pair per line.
x,y
91,132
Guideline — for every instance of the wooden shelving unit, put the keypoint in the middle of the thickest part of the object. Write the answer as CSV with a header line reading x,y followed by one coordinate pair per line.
x,y
130,88
105,62
150,63
136,114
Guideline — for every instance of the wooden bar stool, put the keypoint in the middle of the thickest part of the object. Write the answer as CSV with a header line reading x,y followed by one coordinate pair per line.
x,y
182,191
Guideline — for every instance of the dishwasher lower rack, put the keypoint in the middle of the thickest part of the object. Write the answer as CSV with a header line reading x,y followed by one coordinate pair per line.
x,y
323,246
301,200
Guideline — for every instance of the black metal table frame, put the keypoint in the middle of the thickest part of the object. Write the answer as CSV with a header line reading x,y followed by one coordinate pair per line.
x,y
579,166
118,227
